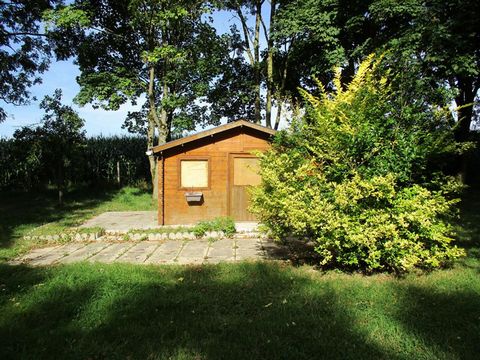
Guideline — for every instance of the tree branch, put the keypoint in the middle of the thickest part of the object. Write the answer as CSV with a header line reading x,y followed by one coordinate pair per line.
x,y
246,35
23,33
267,37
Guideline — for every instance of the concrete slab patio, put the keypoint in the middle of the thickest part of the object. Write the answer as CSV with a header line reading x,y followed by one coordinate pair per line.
x,y
122,221
154,252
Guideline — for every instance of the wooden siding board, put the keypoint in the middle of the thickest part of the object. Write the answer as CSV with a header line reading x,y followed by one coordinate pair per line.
x,y
161,191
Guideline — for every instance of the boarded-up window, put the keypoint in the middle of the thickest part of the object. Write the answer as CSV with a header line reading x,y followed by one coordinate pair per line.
x,y
194,173
246,171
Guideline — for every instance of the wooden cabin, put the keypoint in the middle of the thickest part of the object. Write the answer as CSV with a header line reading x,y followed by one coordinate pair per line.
x,y
206,175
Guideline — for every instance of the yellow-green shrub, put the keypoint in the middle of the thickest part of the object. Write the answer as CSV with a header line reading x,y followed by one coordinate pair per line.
x,y
356,176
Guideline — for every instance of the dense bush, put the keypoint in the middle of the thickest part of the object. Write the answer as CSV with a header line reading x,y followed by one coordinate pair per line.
x,y
359,175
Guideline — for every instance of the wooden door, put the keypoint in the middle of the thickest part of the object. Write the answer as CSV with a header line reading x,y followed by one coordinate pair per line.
x,y
243,174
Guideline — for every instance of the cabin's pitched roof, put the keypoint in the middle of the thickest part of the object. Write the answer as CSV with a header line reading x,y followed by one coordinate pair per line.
x,y
211,132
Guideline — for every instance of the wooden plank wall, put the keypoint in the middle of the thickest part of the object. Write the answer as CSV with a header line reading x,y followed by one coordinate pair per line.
x,y
161,191
216,149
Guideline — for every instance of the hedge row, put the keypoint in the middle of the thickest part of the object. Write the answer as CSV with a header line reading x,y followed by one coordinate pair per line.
x,y
22,166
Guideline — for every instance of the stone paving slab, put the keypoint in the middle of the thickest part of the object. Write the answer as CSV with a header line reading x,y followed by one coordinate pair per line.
x,y
122,221
157,252
35,254
83,253
246,226
248,249
193,252
274,251
139,252
166,253
57,254
221,250
111,253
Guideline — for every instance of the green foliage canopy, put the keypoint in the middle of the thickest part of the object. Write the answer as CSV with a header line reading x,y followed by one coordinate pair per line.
x,y
440,37
24,49
161,51
56,144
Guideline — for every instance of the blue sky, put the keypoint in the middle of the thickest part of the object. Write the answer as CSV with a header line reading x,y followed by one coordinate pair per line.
x,y
62,75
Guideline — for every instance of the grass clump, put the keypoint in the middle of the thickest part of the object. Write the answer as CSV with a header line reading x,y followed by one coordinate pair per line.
x,y
223,224
55,229
219,224
90,230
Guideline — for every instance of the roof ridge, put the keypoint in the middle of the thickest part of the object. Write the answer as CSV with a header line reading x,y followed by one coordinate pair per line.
x,y
211,132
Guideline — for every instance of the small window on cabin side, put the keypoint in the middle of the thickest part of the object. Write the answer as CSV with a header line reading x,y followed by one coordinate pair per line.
x,y
194,173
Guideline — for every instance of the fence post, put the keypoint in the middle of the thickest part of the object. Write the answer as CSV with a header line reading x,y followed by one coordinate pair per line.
x,y
118,173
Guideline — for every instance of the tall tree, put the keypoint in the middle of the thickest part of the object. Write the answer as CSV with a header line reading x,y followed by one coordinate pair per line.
x,y
306,45
451,41
257,19
270,54
24,49
251,42
157,51
444,36
231,96
57,141
441,37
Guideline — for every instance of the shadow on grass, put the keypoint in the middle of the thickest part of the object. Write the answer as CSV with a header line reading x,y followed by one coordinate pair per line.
x,y
141,191
468,229
25,210
447,320
256,311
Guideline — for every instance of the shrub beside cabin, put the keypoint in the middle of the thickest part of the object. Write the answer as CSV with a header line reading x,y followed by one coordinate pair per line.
x,y
206,175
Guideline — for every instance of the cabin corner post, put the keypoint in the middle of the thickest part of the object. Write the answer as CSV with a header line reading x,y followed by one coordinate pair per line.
x,y
161,191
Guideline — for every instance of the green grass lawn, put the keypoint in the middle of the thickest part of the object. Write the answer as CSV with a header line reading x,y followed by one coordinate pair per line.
x,y
242,311
238,311
38,213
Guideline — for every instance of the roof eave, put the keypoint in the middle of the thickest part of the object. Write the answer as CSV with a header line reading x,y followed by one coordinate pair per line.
x,y
212,132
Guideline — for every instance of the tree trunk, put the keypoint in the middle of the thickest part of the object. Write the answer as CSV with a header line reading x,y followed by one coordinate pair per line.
x,y
118,174
279,113
164,124
280,95
256,65
348,72
253,54
464,101
60,183
151,158
153,122
270,49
